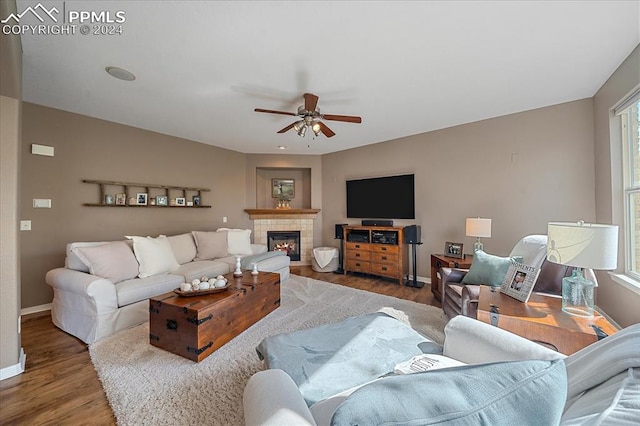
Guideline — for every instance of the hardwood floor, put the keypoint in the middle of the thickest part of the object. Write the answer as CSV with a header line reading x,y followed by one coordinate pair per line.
x,y
60,386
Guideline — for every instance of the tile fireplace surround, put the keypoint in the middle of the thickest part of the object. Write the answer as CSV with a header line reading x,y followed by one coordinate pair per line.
x,y
285,220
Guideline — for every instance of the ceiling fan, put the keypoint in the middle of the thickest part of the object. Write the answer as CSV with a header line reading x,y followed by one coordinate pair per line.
x,y
310,117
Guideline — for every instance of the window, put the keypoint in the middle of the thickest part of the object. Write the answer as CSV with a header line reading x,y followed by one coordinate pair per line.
x,y
630,116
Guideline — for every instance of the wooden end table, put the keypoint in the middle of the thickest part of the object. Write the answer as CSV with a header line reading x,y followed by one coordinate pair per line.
x,y
541,320
441,261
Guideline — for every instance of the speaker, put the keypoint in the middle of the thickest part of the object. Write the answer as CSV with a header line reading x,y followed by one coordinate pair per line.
x,y
340,230
411,234
377,222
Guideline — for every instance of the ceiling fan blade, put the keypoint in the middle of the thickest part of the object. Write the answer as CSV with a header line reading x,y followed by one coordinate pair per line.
x,y
270,111
347,118
310,102
289,127
325,130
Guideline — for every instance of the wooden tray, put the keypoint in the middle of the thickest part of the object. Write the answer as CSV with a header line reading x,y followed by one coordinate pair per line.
x,y
201,292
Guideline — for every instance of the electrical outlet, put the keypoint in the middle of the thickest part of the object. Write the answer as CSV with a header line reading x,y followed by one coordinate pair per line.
x,y
224,219
25,225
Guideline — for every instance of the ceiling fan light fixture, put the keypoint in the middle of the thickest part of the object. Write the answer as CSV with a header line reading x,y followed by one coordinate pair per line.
x,y
298,126
302,131
316,128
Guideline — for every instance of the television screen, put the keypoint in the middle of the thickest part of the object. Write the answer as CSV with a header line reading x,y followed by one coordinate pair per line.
x,y
390,197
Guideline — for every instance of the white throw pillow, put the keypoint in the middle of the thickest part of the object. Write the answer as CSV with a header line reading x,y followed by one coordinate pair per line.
x,y
154,255
211,245
238,241
113,261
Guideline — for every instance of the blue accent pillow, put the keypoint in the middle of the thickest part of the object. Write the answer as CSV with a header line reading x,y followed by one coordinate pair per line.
x,y
487,269
505,393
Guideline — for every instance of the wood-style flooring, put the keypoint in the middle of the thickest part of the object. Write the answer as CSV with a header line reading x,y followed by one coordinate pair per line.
x,y
61,387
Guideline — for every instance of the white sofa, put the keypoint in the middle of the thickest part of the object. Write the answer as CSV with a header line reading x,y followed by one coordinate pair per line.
x,y
602,385
115,296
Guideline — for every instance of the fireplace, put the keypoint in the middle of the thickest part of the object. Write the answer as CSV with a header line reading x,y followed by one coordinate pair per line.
x,y
287,241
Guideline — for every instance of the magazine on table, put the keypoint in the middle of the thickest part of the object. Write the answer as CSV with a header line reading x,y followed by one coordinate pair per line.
x,y
425,362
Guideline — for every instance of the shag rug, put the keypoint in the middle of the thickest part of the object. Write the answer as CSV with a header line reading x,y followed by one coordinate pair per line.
x,y
149,386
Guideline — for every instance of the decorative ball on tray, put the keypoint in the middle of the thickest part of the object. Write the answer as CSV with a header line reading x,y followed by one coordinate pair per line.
x,y
204,285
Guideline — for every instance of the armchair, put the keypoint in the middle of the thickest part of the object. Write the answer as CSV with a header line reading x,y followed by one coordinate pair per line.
x,y
461,299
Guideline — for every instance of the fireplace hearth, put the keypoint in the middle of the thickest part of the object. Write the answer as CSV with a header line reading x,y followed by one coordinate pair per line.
x,y
287,241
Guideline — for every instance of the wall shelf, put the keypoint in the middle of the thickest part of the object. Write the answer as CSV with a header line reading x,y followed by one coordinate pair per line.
x,y
131,189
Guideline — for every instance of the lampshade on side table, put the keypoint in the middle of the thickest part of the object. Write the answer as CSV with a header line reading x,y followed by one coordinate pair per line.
x,y
581,245
478,227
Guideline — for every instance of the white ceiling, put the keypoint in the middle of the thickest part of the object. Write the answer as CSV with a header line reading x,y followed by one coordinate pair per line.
x,y
404,67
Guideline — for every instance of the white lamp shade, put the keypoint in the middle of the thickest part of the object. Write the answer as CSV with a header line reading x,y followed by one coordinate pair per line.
x,y
478,227
583,245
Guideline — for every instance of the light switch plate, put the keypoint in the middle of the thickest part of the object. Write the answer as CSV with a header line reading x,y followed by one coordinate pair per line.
x,y
25,225
41,203
42,150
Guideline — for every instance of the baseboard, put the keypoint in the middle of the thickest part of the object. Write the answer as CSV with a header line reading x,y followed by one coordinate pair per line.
x,y
14,370
35,309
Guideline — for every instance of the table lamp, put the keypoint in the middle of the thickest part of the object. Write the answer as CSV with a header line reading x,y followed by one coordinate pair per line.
x,y
581,245
478,227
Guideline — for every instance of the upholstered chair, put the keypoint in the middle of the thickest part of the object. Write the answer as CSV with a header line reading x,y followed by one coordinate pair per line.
x,y
461,299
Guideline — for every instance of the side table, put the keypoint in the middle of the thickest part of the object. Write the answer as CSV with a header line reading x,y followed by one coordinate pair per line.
x,y
541,320
441,261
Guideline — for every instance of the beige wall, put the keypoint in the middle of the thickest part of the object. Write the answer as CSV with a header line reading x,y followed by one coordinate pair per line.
x,y
10,125
521,170
611,296
88,148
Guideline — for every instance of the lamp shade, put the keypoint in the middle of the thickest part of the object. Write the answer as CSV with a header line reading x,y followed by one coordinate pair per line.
x,y
478,227
583,245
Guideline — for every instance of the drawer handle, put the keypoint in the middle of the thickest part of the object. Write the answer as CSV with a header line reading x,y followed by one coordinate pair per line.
x,y
357,264
357,245
357,254
384,257
384,268
384,249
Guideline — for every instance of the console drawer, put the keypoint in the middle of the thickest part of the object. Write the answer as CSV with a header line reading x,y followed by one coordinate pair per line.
x,y
357,246
385,269
384,248
358,266
359,255
384,257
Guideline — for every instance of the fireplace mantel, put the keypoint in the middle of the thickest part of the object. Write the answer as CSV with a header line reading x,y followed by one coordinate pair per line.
x,y
282,213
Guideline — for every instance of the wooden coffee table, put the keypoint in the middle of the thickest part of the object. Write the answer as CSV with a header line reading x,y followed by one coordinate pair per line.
x,y
541,320
194,327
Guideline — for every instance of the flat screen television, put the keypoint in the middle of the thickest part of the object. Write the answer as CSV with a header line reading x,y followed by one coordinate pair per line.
x,y
390,197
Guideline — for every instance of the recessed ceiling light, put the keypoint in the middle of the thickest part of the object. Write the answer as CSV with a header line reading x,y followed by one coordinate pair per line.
x,y
120,73
282,147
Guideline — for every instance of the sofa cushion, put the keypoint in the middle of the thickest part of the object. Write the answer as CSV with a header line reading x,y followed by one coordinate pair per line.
x,y
238,241
138,289
114,261
614,402
154,255
510,393
210,245
196,269
72,260
183,247
487,269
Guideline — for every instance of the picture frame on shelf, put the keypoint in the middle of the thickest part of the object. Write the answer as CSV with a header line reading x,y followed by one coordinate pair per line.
x,y
162,200
454,250
519,281
121,199
181,201
196,200
141,198
283,188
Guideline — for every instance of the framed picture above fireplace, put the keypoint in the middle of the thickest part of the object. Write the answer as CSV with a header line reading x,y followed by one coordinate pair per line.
x,y
282,188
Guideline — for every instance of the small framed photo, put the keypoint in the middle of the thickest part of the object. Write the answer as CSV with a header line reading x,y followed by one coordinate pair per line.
x,y
141,198
161,200
181,201
196,200
121,199
519,281
282,188
453,250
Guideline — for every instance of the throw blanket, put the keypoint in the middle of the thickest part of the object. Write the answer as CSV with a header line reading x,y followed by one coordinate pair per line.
x,y
323,255
331,358
247,262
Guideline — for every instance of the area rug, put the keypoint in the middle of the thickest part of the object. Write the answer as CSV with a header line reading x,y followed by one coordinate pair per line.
x,y
147,385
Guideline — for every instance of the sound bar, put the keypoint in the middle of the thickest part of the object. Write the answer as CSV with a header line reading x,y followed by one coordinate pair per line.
x,y
377,222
